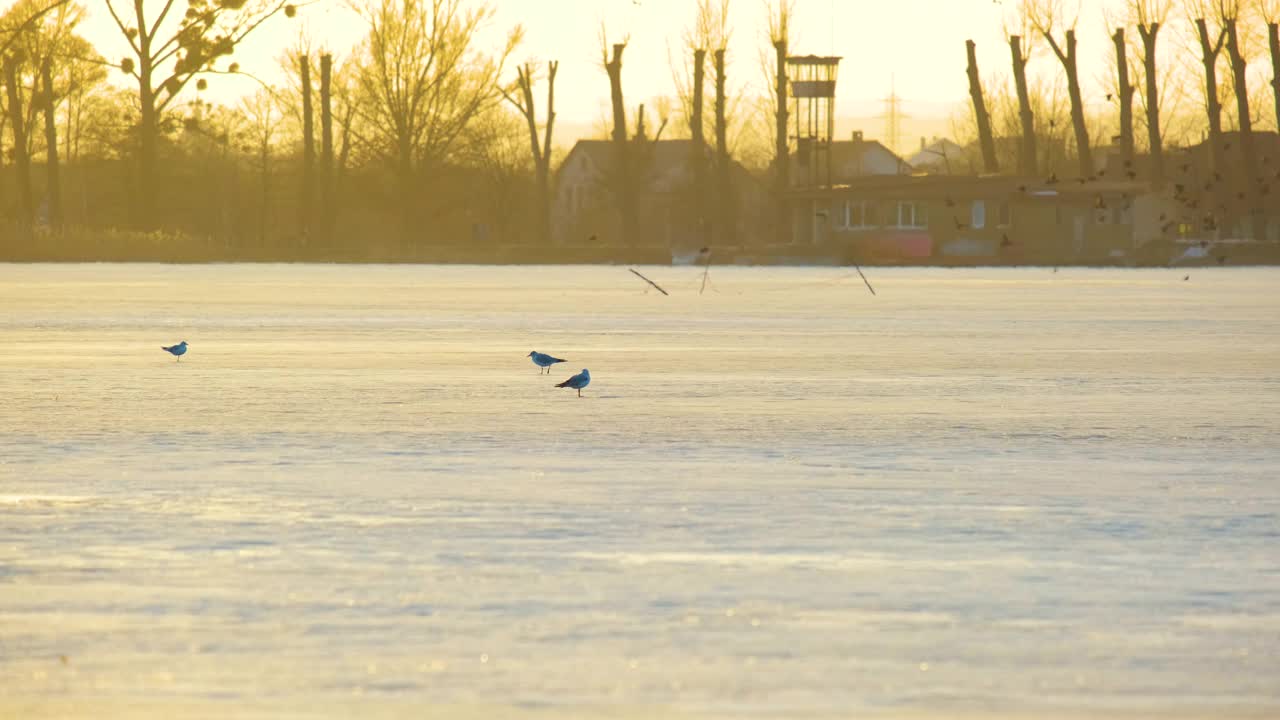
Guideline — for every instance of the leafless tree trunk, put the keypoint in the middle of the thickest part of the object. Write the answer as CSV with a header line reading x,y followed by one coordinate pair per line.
x,y
1209,51
699,156
1273,40
308,153
782,153
344,150
52,172
985,138
780,36
1248,162
327,196
724,187
1067,56
625,193
541,147
1027,153
1149,30
1124,94
21,156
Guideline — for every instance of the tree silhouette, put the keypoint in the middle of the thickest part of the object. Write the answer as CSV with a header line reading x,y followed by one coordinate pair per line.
x,y
169,48
541,148
1047,16
421,80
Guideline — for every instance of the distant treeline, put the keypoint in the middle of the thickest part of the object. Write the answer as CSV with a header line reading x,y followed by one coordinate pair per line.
x,y
421,140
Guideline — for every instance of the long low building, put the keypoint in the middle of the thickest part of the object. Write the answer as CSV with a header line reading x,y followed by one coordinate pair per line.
x,y
948,218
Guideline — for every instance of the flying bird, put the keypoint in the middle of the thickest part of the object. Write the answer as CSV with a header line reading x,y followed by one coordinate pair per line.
x,y
176,350
543,360
577,382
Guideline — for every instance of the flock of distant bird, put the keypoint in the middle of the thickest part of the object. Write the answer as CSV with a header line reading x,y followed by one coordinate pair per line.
x,y
542,360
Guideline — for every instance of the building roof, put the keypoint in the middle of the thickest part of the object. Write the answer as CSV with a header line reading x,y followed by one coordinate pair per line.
x,y
942,152
846,153
813,60
963,187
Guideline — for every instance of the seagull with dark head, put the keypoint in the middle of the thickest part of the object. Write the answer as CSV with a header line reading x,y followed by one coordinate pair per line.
x,y
543,360
577,382
176,350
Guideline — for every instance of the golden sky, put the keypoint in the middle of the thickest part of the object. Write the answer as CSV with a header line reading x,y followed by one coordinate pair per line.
x,y
916,44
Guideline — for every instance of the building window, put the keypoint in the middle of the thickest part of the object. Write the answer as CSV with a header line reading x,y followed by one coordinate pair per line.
x,y
912,215
856,214
978,219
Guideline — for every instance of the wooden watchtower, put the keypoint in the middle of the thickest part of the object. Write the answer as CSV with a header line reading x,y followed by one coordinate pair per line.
x,y
813,98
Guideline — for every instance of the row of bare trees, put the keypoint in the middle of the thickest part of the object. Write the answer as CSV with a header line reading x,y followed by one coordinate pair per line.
x,y
734,121
415,105
420,123
1223,32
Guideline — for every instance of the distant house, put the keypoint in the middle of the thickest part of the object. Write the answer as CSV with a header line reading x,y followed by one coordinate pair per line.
x,y
849,160
663,173
941,157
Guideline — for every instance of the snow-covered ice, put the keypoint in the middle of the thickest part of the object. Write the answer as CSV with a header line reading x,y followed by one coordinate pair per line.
x,y
1005,493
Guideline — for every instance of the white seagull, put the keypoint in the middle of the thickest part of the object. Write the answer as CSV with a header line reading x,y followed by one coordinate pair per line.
x,y
577,382
176,350
544,361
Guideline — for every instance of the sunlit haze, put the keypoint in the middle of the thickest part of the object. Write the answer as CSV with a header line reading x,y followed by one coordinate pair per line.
x,y
913,46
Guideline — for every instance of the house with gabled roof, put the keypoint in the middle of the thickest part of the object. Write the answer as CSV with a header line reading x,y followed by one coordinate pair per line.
x,y
663,175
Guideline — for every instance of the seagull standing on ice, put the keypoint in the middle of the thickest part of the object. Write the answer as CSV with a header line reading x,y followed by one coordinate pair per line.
x,y
544,361
176,350
577,382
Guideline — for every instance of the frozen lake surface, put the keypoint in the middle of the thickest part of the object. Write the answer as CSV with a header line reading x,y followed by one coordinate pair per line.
x,y
1007,493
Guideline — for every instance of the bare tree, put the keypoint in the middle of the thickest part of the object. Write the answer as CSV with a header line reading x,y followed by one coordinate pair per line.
x,y
327,197
1047,16
1211,45
421,80
699,151
262,123
21,152
306,206
1230,15
719,37
169,50
698,39
1270,11
1020,48
541,148
622,166
981,116
25,41
1150,16
1124,96
724,188
781,13
53,178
